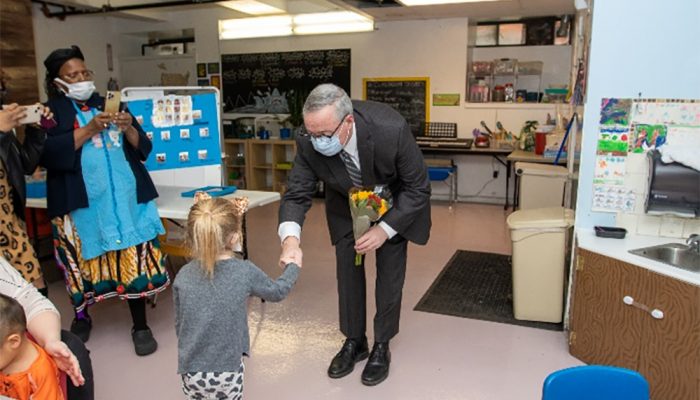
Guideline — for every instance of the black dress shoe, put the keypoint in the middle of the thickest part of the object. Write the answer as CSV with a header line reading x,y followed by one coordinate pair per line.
x,y
343,363
377,368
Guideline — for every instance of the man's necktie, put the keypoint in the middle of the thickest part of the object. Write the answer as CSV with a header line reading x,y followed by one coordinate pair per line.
x,y
353,170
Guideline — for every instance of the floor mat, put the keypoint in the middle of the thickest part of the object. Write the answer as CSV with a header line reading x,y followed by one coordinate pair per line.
x,y
476,285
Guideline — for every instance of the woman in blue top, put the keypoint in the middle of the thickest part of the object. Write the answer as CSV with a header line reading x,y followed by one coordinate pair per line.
x,y
100,198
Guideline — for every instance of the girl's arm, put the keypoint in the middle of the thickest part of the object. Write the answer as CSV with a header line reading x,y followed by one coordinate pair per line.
x,y
273,290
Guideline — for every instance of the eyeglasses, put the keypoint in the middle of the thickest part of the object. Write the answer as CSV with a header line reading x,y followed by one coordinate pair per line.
x,y
305,132
87,75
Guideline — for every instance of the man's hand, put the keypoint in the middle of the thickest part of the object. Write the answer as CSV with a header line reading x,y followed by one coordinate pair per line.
x,y
291,252
10,116
65,361
373,239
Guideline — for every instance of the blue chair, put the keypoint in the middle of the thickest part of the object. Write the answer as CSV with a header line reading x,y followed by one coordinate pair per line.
x,y
440,170
595,382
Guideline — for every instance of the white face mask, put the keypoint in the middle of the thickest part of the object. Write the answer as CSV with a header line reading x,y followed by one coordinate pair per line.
x,y
80,91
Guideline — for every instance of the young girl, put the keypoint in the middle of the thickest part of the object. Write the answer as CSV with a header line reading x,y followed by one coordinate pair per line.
x,y
211,295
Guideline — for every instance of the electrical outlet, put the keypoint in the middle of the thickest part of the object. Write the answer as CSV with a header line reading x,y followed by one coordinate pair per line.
x,y
495,174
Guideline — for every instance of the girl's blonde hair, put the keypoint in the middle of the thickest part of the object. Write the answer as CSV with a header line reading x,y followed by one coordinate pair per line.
x,y
210,226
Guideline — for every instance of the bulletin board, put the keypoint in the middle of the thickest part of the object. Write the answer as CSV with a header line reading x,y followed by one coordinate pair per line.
x,y
183,126
635,126
408,96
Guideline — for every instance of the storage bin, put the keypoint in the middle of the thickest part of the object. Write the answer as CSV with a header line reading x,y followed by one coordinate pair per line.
x,y
541,185
504,66
539,252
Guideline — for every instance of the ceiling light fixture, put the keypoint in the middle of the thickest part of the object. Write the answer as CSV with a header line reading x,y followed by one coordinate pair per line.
x,y
331,22
244,28
253,7
300,24
411,3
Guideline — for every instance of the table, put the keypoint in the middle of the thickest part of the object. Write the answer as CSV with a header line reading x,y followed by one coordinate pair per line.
x,y
171,205
499,155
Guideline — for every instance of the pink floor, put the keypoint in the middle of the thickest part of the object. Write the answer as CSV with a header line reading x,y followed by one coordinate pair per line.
x,y
433,357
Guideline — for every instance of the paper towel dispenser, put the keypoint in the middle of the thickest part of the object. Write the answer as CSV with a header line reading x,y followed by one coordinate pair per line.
x,y
673,187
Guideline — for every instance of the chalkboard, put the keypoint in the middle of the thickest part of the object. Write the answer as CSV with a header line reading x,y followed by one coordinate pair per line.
x,y
408,96
267,82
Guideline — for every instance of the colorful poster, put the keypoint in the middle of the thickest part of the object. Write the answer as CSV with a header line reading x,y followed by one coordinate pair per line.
x,y
613,139
667,112
648,137
615,112
609,169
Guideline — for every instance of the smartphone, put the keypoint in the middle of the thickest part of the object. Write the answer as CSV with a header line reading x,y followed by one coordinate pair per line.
x,y
112,101
610,232
33,114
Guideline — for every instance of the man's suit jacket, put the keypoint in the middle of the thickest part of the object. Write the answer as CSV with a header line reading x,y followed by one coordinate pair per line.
x,y
388,155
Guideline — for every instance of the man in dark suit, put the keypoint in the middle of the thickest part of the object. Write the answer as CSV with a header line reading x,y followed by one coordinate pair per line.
x,y
359,143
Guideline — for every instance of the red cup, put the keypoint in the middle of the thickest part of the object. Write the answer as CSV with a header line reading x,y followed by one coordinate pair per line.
x,y
540,142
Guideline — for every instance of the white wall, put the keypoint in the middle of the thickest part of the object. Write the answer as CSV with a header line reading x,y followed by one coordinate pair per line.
x,y
433,48
662,62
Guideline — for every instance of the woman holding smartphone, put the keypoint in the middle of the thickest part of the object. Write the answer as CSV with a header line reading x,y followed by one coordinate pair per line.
x,y
17,160
101,199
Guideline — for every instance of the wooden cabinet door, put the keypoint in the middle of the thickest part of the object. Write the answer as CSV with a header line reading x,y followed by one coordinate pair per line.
x,y
670,347
604,330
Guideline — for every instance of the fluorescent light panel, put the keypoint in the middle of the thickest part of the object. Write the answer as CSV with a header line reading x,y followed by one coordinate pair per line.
x,y
331,22
301,24
243,28
411,3
252,7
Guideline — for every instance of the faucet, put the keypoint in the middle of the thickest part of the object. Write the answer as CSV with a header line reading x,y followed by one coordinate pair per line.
x,y
694,242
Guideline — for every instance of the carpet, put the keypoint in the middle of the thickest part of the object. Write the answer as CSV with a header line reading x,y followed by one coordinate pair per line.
x,y
479,286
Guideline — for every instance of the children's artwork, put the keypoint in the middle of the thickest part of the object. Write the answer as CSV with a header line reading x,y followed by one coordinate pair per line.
x,y
615,111
215,80
648,137
613,139
609,169
667,112
612,198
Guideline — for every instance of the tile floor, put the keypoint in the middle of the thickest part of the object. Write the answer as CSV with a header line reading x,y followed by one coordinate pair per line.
x,y
434,356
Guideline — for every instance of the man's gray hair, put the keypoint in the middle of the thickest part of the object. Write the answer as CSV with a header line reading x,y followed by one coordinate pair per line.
x,y
328,94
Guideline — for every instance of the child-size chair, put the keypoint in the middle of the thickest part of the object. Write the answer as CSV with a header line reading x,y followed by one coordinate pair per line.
x,y
441,170
595,382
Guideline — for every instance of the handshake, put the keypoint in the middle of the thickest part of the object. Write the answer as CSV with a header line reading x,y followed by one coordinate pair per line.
x,y
291,252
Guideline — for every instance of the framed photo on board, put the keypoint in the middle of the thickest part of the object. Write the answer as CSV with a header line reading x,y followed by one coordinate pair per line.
x,y
215,80
213,68
201,70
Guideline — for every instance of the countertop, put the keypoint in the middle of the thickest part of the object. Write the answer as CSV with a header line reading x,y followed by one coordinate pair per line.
x,y
619,249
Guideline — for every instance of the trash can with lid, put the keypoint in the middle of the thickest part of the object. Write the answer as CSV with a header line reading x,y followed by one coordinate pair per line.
x,y
541,185
539,248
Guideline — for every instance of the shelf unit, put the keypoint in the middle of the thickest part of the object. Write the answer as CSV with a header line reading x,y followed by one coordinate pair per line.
x,y
495,78
262,164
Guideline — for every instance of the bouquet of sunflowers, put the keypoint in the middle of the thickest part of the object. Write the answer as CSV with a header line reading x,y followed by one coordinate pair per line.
x,y
366,207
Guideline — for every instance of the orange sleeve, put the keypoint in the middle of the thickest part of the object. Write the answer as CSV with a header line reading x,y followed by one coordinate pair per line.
x,y
45,377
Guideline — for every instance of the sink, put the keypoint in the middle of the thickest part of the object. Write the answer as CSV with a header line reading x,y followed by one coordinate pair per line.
x,y
676,254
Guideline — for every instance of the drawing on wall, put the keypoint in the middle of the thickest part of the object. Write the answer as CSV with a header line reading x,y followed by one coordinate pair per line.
x,y
648,137
266,82
613,139
609,169
615,111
